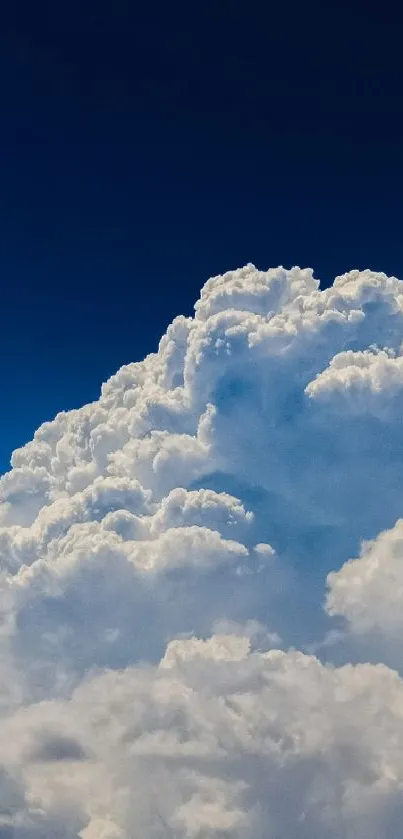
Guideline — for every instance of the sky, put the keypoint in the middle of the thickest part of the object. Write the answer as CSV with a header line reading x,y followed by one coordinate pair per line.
x,y
147,147
201,530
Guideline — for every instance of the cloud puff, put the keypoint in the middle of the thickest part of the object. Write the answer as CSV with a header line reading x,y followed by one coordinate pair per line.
x,y
156,544
368,593
215,740
369,382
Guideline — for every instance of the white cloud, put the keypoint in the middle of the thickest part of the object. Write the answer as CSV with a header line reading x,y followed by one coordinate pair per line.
x,y
216,739
156,544
362,382
368,591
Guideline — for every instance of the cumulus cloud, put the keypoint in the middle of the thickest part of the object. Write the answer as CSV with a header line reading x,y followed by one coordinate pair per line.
x,y
158,544
215,740
361,383
367,592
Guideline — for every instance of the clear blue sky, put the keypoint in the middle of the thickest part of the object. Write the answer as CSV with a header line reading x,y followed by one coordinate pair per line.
x,y
147,147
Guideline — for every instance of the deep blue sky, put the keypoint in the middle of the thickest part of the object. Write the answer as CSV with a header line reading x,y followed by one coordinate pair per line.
x,y
145,147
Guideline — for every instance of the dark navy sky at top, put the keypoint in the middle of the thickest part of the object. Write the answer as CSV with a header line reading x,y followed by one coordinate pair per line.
x,y
146,147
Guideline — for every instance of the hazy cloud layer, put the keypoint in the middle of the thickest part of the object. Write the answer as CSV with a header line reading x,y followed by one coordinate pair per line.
x,y
157,545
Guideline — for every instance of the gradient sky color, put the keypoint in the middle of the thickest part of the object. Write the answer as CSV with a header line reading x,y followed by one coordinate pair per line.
x,y
145,148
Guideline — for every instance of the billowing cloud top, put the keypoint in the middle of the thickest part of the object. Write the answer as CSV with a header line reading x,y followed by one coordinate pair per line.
x,y
165,551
